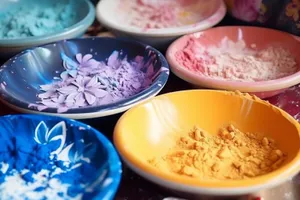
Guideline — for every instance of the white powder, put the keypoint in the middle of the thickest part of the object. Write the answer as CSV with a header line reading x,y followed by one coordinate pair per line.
x,y
234,61
16,188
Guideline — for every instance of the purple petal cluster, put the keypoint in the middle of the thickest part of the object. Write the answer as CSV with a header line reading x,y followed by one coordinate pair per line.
x,y
87,82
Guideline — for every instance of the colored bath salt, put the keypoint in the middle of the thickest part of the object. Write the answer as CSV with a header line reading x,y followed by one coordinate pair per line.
x,y
229,155
236,62
37,168
87,82
149,14
36,20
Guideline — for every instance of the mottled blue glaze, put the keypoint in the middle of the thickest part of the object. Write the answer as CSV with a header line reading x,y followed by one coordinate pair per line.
x,y
69,141
83,8
21,76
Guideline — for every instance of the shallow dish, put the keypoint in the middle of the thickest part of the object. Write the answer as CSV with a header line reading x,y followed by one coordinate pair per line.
x,y
214,36
57,158
167,115
23,75
83,8
213,12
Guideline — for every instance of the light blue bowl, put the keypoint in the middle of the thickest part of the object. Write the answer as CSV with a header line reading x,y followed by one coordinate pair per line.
x,y
54,156
84,9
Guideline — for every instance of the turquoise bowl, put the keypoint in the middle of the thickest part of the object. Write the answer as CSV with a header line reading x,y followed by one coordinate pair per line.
x,y
85,15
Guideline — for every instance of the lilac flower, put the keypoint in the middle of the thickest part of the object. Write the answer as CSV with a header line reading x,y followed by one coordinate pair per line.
x,y
84,65
56,101
89,82
83,91
86,61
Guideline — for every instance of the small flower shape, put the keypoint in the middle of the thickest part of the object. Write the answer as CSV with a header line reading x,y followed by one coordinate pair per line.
x,y
44,136
293,10
86,61
83,91
84,65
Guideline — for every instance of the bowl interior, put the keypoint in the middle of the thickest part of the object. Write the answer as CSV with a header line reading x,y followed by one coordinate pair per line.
x,y
213,37
168,115
22,75
250,35
81,151
206,14
79,8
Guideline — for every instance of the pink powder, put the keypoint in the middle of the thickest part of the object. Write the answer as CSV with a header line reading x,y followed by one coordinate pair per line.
x,y
156,14
234,61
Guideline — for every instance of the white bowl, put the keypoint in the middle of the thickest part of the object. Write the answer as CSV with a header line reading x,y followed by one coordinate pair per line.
x,y
159,38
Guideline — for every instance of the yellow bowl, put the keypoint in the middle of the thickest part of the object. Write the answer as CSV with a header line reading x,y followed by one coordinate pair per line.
x,y
147,131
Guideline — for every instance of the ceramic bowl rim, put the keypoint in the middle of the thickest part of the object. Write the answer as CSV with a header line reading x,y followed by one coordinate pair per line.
x,y
166,32
93,111
184,184
114,173
259,86
35,40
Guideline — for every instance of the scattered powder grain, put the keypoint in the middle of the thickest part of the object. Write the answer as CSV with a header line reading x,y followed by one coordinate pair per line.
x,y
235,61
157,14
231,154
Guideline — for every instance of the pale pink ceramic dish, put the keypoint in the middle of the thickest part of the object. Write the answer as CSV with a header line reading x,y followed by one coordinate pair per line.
x,y
262,37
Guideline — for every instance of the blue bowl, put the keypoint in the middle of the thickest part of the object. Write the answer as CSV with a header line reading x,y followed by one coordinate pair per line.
x,y
85,15
57,158
21,76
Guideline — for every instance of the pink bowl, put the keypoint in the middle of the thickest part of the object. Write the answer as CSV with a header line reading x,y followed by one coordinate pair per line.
x,y
262,37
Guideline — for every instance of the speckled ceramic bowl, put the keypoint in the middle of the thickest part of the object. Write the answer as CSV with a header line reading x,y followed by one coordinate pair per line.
x,y
83,8
22,75
250,35
166,116
212,11
57,158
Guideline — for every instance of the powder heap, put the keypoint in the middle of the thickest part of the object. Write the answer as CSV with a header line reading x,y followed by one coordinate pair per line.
x,y
88,82
234,61
36,20
149,14
231,154
33,168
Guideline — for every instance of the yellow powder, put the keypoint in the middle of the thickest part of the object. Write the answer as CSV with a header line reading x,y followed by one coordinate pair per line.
x,y
231,154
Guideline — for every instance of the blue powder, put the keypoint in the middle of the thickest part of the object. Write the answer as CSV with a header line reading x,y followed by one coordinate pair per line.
x,y
23,153
35,19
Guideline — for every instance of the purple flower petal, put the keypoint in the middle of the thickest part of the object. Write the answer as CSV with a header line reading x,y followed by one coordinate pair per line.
x,y
98,92
86,58
80,100
93,82
46,95
113,59
49,103
62,109
91,99
64,75
73,73
41,108
66,65
68,89
91,64
79,57
46,87
61,99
